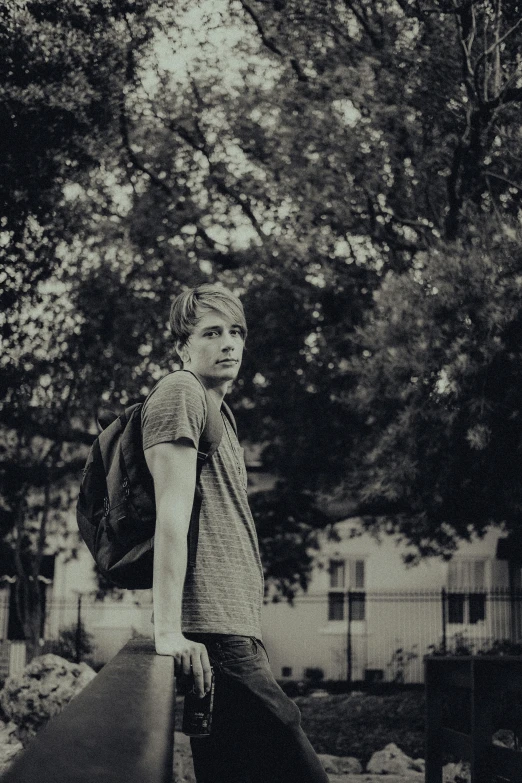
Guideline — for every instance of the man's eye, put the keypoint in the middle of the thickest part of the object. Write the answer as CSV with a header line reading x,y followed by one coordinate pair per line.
x,y
208,334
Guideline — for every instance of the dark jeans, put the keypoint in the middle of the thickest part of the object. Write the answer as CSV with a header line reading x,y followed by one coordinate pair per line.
x,y
256,732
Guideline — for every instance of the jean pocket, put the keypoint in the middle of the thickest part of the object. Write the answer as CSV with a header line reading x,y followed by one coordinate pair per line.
x,y
260,643
238,651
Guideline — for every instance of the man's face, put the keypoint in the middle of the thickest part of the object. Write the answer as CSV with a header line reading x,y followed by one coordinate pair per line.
x,y
214,349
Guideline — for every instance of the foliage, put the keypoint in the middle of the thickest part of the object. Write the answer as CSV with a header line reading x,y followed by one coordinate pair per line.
x,y
314,674
334,163
459,644
64,69
360,724
287,527
400,661
438,375
74,644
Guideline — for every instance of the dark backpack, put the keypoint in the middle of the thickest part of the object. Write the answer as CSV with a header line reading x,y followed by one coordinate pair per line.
x,y
116,510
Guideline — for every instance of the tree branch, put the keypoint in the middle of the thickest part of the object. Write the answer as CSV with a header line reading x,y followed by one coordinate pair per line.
x,y
217,178
449,11
271,45
504,179
363,20
511,95
497,43
133,157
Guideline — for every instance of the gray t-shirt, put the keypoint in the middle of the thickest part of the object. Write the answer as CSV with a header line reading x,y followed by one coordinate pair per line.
x,y
224,593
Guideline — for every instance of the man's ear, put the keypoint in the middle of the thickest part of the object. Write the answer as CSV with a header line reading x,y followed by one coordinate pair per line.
x,y
182,351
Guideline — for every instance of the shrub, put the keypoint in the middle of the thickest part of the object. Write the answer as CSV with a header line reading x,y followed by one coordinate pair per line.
x,y
74,643
314,674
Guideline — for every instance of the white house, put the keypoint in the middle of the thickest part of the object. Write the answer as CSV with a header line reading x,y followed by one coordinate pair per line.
x,y
363,605
368,616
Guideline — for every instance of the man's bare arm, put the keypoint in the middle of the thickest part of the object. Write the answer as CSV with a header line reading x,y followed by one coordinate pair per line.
x,y
173,468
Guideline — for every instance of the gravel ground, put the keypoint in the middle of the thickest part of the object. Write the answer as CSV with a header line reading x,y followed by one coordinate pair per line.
x,y
183,772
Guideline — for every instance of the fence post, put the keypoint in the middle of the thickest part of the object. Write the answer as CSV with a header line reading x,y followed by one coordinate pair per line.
x,y
433,750
78,639
349,639
444,619
512,608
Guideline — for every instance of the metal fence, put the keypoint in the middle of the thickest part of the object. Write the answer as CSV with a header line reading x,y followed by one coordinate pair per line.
x,y
95,630
78,628
384,635
351,635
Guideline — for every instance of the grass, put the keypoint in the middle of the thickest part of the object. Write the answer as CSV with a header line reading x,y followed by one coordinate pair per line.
x,y
359,724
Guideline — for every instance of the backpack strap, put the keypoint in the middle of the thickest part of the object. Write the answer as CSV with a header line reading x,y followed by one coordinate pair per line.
x,y
208,445
230,416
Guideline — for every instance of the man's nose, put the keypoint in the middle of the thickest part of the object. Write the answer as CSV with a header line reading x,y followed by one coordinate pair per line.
x,y
228,343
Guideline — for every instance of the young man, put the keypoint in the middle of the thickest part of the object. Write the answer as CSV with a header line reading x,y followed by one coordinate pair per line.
x,y
210,614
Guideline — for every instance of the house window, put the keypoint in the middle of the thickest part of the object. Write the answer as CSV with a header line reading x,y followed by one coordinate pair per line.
x,y
357,574
467,599
336,606
347,574
358,606
286,671
477,607
456,608
466,575
337,574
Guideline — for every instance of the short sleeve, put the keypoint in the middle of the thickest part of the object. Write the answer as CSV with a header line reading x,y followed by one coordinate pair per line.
x,y
176,409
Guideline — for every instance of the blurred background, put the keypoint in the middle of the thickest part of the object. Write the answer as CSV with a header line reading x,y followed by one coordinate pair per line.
x,y
353,170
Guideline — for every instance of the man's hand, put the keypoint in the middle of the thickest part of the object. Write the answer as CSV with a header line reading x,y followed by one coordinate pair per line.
x,y
189,657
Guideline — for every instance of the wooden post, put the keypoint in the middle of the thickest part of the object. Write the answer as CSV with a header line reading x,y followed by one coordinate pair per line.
x,y
444,620
433,723
482,705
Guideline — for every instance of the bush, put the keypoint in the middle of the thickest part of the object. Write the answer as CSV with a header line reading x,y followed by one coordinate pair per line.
x,y
294,688
461,645
359,724
74,643
314,674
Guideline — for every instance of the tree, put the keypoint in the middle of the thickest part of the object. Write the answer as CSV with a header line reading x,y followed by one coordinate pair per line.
x,y
438,377
299,153
64,70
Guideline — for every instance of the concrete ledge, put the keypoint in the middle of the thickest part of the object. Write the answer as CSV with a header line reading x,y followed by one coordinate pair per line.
x,y
119,729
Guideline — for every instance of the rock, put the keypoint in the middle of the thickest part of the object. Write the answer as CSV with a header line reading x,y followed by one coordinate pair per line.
x,y
183,768
418,765
456,773
340,765
391,761
10,745
43,689
8,753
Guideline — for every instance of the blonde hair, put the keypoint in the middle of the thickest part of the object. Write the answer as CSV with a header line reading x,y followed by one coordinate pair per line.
x,y
187,306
